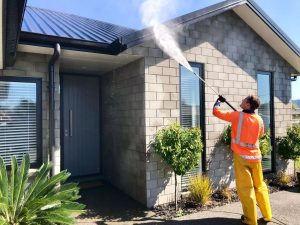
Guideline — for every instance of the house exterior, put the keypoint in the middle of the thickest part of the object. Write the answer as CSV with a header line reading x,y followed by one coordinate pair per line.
x,y
89,96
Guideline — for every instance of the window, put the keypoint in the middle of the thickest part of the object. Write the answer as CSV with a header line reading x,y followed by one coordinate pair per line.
x,y
191,106
20,115
264,89
296,100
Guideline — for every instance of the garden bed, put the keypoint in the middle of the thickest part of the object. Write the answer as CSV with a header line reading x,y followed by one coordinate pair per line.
x,y
188,206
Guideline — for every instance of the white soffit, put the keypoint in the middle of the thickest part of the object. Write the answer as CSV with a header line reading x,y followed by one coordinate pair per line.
x,y
85,56
80,61
35,49
263,30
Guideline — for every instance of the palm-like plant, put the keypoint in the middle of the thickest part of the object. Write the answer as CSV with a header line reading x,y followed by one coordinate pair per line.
x,y
46,200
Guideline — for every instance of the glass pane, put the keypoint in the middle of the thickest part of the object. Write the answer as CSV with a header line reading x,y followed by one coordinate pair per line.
x,y
190,89
190,98
263,82
296,100
18,120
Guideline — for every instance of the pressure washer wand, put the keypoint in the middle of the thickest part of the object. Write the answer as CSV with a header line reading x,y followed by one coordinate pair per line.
x,y
214,91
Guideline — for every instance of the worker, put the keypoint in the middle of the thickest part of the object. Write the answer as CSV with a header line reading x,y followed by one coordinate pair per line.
x,y
247,127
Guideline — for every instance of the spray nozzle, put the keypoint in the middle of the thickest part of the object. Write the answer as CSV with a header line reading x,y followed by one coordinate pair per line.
x,y
221,98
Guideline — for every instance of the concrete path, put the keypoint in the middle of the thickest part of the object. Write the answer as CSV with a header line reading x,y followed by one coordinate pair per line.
x,y
285,207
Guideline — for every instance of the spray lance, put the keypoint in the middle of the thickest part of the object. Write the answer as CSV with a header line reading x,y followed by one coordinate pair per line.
x,y
220,96
165,39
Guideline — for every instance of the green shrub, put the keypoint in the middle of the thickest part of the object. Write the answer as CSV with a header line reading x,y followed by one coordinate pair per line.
x,y
289,145
264,141
298,164
46,200
226,136
179,147
201,188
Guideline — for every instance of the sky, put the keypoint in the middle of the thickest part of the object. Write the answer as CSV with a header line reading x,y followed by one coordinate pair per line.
x,y
126,13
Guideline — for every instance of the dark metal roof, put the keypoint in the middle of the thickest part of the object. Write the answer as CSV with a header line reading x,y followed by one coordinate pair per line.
x,y
46,28
58,24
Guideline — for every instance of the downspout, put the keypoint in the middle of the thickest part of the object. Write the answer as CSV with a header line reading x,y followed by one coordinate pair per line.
x,y
51,85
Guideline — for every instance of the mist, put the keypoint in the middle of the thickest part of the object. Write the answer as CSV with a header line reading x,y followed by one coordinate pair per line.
x,y
155,11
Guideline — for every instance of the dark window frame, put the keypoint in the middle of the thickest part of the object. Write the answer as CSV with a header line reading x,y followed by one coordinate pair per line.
x,y
272,118
39,137
200,66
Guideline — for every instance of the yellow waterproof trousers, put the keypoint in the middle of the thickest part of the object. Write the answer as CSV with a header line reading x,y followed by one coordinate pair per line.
x,y
251,188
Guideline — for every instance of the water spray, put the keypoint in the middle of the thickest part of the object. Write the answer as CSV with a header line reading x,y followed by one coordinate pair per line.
x,y
187,66
152,11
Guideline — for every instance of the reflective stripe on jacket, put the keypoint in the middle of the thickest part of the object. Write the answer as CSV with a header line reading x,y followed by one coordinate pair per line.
x,y
246,130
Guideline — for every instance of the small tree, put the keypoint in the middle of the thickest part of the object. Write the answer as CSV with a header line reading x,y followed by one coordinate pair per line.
x,y
289,145
180,148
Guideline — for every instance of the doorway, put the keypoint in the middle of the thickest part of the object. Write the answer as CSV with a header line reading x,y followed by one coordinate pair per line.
x,y
80,125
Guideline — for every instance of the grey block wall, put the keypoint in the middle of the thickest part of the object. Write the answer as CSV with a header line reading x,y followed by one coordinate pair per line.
x,y
36,66
232,54
123,129
142,97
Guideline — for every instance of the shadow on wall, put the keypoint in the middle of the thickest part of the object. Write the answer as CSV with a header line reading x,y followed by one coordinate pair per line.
x,y
220,165
281,164
158,177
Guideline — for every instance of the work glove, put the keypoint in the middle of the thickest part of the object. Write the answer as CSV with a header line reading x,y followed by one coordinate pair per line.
x,y
221,98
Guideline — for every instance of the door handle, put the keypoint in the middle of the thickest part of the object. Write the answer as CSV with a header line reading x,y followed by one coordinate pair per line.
x,y
71,122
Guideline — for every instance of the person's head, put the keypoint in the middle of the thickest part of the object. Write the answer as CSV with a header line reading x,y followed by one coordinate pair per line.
x,y
251,102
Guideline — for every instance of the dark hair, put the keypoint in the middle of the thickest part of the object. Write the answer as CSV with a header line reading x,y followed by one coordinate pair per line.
x,y
253,101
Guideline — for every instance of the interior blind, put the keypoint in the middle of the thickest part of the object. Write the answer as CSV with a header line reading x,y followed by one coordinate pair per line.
x,y
18,120
189,109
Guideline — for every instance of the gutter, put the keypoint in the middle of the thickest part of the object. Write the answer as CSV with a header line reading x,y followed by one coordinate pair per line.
x,y
43,40
51,86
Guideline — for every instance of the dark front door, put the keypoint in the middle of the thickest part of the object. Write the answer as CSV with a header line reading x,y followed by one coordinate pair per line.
x,y
81,125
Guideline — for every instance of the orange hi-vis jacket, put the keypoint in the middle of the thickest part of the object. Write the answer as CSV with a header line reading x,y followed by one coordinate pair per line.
x,y
246,130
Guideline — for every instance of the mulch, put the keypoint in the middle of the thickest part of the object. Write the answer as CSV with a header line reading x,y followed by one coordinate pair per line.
x,y
187,206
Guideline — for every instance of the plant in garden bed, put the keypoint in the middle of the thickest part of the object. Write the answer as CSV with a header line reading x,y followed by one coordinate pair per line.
x,y
223,193
200,188
282,178
179,147
289,146
46,200
187,205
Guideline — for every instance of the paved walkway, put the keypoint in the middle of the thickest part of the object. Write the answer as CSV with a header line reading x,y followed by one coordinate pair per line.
x,y
285,207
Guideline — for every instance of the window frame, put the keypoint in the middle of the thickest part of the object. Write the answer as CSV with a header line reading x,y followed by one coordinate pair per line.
x,y
38,82
272,118
200,66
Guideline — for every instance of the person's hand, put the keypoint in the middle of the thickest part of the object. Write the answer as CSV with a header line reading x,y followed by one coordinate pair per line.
x,y
221,98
